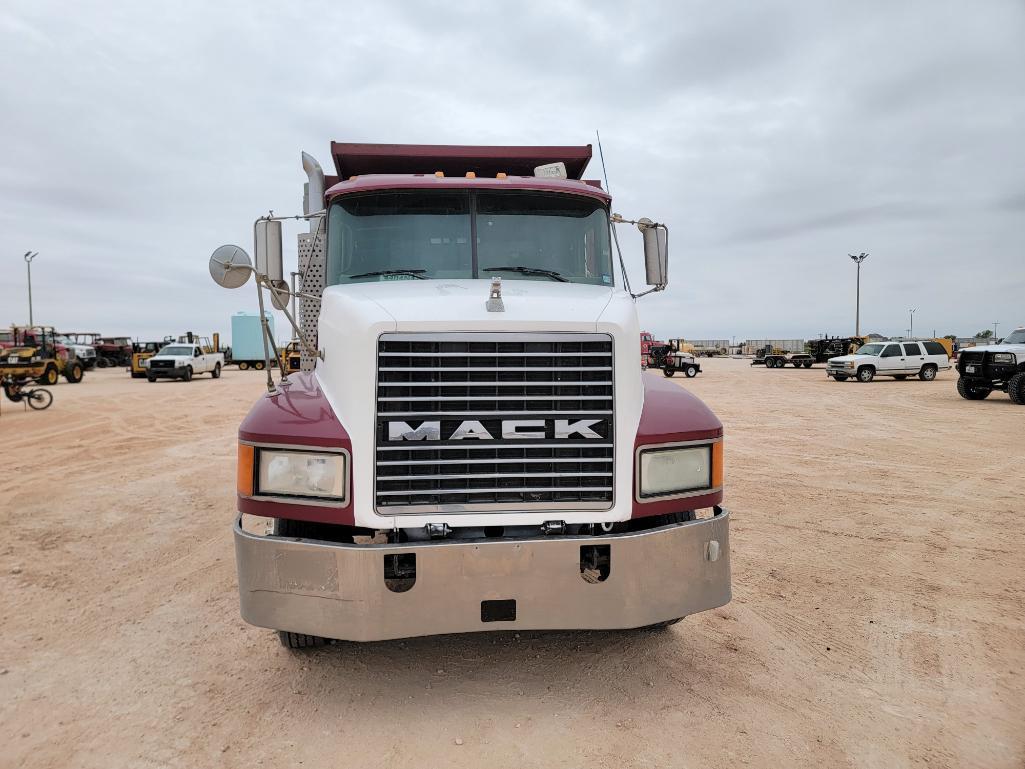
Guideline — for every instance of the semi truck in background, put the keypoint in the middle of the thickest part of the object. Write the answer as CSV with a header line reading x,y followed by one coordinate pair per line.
x,y
470,443
247,339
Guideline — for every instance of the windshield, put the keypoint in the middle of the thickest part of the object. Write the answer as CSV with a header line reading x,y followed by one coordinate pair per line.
x,y
1015,337
423,235
869,349
176,349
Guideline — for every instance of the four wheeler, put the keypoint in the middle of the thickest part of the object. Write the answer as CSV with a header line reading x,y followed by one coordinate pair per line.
x,y
36,397
36,355
663,356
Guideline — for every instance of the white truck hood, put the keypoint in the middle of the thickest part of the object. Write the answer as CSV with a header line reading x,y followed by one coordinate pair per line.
x,y
353,316
1015,348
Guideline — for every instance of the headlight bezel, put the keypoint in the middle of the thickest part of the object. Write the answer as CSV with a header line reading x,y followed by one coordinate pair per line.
x,y
260,450
1009,358
714,459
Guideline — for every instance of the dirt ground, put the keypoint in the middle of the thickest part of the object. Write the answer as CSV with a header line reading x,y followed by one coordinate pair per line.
x,y
877,618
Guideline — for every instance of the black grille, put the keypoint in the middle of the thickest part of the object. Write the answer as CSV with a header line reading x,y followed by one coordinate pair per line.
x,y
429,386
161,364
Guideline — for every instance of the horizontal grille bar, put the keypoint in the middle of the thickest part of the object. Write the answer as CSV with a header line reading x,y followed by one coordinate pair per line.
x,y
497,368
487,446
497,490
460,476
524,461
598,354
528,383
500,398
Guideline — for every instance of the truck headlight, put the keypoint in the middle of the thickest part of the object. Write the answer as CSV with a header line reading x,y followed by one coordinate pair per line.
x,y
301,474
679,470
1003,357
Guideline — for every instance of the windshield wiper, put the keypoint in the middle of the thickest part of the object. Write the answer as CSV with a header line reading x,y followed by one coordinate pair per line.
x,y
529,271
414,273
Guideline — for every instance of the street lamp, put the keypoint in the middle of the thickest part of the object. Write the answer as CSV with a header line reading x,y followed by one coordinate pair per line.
x,y
857,304
29,256
911,331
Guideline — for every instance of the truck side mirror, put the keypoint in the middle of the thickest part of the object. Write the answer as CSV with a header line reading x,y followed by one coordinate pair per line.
x,y
656,252
230,267
268,251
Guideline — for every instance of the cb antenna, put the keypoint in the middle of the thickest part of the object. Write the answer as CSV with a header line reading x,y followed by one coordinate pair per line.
x,y
601,156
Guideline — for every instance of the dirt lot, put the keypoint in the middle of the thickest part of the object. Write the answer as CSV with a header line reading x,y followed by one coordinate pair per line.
x,y
877,618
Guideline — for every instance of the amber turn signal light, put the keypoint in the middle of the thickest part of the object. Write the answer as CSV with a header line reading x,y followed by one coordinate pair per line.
x,y
245,470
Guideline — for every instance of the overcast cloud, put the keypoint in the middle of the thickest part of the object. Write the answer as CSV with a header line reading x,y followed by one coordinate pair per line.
x,y
773,138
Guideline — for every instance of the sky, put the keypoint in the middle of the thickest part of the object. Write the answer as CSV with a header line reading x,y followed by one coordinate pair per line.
x,y
773,138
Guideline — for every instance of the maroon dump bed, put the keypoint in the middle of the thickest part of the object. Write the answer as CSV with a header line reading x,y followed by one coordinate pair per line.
x,y
453,160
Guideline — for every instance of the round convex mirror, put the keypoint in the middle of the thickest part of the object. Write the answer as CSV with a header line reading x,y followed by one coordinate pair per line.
x,y
230,266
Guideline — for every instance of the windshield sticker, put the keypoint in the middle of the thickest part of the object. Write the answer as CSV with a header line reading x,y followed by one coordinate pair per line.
x,y
606,279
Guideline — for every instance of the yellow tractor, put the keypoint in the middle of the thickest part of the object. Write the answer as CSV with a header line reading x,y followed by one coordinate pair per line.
x,y
37,355
142,351
290,356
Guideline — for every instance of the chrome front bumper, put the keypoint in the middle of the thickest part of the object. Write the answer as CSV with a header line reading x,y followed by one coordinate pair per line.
x,y
339,591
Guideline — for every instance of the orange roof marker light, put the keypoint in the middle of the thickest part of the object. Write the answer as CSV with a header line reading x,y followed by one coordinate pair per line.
x,y
439,174
500,175
471,175
353,178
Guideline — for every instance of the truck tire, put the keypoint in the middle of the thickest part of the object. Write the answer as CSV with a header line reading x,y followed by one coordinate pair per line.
x,y
258,365
661,625
49,376
73,372
243,366
691,371
798,364
300,640
101,362
216,373
1016,389
900,377
187,376
840,377
668,371
151,378
807,364
928,372
970,393
866,374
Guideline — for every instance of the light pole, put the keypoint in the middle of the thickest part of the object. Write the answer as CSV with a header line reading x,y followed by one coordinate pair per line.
x,y
995,324
857,302
911,331
29,256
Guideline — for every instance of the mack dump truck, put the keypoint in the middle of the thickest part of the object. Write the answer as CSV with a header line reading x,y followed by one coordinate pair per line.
x,y
470,443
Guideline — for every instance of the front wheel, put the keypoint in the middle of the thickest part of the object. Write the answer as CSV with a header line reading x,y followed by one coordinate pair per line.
x,y
40,399
300,640
216,373
668,371
1016,389
970,393
187,376
151,378
807,364
691,371
49,376
661,625
840,377
900,377
927,374
73,372
866,374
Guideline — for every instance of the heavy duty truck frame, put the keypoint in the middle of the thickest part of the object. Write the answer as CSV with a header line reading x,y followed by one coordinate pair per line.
x,y
470,444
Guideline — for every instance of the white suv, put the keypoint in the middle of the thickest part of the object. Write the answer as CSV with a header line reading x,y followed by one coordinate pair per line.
x,y
897,359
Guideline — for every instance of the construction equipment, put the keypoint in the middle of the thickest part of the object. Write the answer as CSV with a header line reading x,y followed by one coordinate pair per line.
x,y
37,355
670,358
290,356
113,351
143,351
815,351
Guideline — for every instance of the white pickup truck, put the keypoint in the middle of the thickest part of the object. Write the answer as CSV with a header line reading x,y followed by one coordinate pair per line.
x,y
183,361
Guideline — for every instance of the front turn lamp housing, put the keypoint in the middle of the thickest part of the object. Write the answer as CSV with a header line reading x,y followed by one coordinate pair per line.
x,y
678,471
305,474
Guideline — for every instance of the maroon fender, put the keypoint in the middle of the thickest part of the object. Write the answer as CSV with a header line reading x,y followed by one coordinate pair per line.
x,y
299,415
672,414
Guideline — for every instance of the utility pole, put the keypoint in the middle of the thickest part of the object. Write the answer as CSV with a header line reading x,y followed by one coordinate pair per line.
x,y
857,302
911,331
29,256
995,324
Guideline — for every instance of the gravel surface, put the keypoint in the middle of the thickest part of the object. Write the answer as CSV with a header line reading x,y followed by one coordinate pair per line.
x,y
877,618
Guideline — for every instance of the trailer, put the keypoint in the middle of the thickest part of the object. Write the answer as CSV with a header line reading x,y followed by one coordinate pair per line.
x,y
247,339
815,351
